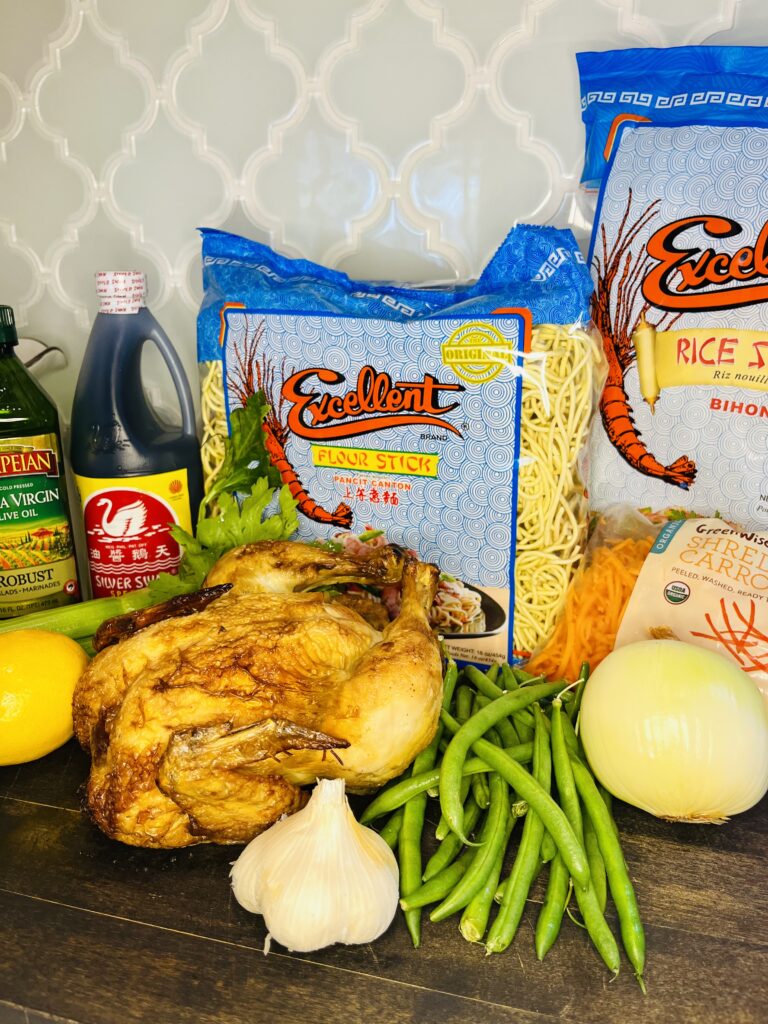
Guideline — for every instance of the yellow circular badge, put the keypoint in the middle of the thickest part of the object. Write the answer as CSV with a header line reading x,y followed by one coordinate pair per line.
x,y
477,352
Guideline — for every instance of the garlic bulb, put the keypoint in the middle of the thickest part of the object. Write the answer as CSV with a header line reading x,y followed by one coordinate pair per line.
x,y
318,876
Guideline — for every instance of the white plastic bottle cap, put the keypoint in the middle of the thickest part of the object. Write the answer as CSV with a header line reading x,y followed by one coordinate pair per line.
x,y
121,291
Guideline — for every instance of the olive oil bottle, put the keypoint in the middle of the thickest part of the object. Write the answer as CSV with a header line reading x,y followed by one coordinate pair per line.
x,y
38,569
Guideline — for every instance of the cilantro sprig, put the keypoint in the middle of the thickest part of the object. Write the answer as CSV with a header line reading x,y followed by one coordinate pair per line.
x,y
245,457
245,469
233,525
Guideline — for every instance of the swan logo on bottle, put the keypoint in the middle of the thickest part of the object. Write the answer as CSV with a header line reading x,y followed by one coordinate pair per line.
x,y
128,532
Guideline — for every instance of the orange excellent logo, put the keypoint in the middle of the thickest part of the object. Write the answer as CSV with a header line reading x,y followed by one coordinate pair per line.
x,y
41,461
375,403
677,280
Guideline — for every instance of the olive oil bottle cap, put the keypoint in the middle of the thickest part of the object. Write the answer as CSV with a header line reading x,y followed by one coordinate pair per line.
x,y
8,335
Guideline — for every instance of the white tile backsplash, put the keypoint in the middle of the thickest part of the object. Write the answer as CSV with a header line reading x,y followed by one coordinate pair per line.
x,y
392,138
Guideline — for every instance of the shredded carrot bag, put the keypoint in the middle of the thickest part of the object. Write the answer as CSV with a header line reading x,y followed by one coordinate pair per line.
x,y
598,595
664,576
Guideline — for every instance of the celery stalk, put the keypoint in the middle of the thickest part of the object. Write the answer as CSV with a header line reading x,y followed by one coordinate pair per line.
x,y
80,621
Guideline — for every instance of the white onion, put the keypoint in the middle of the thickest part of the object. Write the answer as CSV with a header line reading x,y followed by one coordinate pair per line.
x,y
676,730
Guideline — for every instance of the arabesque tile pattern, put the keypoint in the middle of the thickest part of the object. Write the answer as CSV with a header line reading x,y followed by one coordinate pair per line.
x,y
392,138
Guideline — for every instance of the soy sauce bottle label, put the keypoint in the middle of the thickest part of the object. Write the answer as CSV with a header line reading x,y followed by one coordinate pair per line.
x,y
128,523
37,557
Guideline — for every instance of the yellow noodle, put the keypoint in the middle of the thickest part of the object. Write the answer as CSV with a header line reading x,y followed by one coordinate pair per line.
x,y
214,417
557,404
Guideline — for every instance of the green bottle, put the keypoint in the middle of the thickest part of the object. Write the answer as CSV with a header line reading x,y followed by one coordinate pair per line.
x,y
38,569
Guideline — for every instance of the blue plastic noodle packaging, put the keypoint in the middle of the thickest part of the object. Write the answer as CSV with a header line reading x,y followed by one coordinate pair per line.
x,y
449,420
666,86
679,258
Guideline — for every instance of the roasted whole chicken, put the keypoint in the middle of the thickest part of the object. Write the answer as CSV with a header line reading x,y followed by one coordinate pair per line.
x,y
203,726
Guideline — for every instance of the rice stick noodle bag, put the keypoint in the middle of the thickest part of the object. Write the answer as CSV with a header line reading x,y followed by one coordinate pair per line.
x,y
449,420
679,257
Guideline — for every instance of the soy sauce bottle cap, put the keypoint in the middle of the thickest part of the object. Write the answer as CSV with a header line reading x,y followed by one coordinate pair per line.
x,y
121,291
8,335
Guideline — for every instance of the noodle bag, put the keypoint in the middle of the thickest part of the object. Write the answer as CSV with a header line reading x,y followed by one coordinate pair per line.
x,y
449,420
679,257
660,576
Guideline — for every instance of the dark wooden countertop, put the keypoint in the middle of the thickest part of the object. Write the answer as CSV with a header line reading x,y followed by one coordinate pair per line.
x,y
99,933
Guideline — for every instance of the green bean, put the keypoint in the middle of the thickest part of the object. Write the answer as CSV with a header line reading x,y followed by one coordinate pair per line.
x,y
391,829
498,896
554,819
571,739
507,732
472,730
395,796
474,920
412,824
409,857
508,678
573,711
596,866
464,698
608,801
587,899
548,848
482,683
524,727
566,788
493,737
439,886
443,828
489,691
449,682
492,672
486,855
527,861
481,790
524,678
536,797
480,782
551,914
619,882
598,928
451,846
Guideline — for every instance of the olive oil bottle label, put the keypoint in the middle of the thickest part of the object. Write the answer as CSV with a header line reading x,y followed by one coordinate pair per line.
x,y
128,523
37,556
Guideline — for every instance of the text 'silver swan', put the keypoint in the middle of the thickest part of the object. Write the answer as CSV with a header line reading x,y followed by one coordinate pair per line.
x,y
202,728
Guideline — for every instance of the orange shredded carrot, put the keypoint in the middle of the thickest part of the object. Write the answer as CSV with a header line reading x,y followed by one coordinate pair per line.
x,y
594,606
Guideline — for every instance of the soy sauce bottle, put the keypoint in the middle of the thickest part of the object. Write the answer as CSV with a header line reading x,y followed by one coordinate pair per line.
x,y
38,568
137,476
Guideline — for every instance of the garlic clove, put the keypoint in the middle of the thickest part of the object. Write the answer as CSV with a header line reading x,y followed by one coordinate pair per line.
x,y
319,877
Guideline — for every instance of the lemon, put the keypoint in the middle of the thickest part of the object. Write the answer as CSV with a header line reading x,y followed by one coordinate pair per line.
x,y
38,672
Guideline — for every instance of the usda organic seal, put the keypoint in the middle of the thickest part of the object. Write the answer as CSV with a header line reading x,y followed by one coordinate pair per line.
x,y
677,593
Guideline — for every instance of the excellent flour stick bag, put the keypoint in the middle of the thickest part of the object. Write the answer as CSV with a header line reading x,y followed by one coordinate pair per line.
x,y
679,257
449,420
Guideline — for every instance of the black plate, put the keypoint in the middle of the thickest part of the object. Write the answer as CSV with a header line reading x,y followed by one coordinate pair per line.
x,y
495,617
